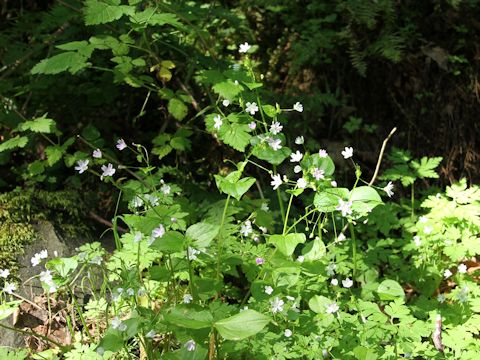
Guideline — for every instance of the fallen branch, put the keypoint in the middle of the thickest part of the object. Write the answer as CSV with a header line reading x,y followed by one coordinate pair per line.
x,y
380,156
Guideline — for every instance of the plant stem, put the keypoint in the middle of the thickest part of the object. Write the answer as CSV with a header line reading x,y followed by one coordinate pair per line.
x,y
220,237
354,250
285,221
412,199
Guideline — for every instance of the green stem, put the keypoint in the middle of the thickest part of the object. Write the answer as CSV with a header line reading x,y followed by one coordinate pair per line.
x,y
412,200
299,220
220,237
354,250
80,314
285,221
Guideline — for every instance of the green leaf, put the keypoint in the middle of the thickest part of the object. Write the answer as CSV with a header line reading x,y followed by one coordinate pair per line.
x,y
83,47
112,341
71,61
233,187
265,152
319,304
16,142
99,12
63,266
177,109
227,89
390,290
39,125
426,167
270,110
171,241
314,250
235,135
245,324
8,308
315,161
189,317
90,133
286,244
363,353
202,234
327,200
364,199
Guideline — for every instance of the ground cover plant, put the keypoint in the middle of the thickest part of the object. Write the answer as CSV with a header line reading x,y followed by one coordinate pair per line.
x,y
271,254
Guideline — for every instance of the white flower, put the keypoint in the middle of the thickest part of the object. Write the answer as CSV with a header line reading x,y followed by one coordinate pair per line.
x,y
46,277
447,273
302,183
288,333
43,254
264,207
82,166
165,189
275,144
345,207
276,181
251,108
121,144
276,305
331,269
462,296
290,298
108,170
423,219
341,237
190,345
137,202
151,334
322,153
218,122
441,298
97,260
97,154
462,268
333,183
332,308
9,288
298,107
318,174
268,290
417,240
276,128
226,102
347,283
427,230
152,199
299,140
246,228
187,298
192,253
118,324
137,237
252,125
297,169
296,157
4,273
158,232
301,258
130,292
334,282
347,153
389,189
36,259
244,47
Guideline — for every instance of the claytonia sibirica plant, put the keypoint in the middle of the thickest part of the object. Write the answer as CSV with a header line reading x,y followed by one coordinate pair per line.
x,y
271,257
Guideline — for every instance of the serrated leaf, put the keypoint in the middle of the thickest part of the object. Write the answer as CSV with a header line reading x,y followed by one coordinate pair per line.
x,y
16,142
54,154
71,61
227,89
426,167
235,135
243,325
83,47
99,12
177,109
40,125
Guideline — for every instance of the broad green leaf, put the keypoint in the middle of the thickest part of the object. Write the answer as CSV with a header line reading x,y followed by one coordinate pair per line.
x,y
314,250
177,108
63,266
16,142
286,276
8,308
286,244
151,17
83,47
90,133
270,110
245,324
390,290
227,89
171,241
40,125
234,188
327,200
202,234
319,304
189,317
100,12
112,340
264,152
235,135
70,60
364,199
315,161
363,353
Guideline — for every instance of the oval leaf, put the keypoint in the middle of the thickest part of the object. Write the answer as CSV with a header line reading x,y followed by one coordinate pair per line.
x,y
242,325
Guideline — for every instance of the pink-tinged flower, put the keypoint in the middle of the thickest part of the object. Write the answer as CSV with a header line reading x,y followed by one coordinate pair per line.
x,y
158,232
97,153
190,345
108,170
345,207
82,166
318,174
252,125
121,144
322,153
275,144
347,152
260,261
276,128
